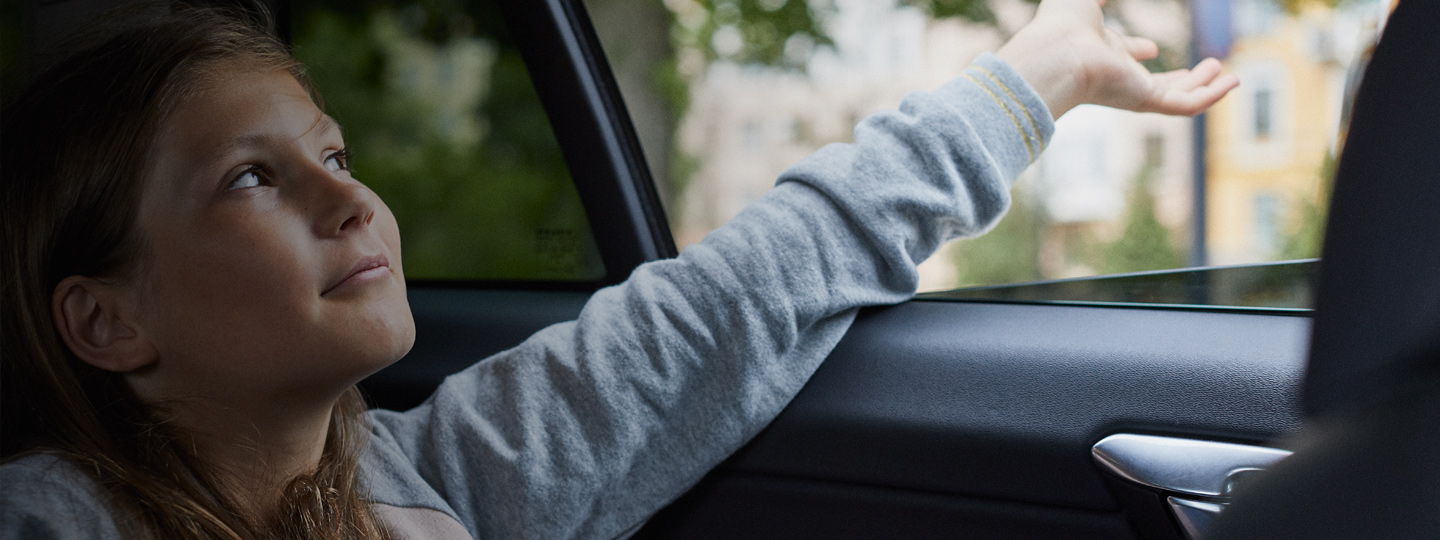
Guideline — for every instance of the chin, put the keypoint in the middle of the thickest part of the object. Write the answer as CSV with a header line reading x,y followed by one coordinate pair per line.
x,y
365,335
369,344
391,341
401,343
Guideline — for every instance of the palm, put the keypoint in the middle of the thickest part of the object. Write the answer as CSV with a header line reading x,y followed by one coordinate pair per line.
x,y
1069,56
1110,65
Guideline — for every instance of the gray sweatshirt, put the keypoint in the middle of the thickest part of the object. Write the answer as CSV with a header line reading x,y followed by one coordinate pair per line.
x,y
591,426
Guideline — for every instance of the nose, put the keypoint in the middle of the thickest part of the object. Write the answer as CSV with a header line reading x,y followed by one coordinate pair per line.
x,y
346,206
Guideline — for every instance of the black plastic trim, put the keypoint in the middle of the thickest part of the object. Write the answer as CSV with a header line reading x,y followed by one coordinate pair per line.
x,y
505,285
585,108
744,505
1291,312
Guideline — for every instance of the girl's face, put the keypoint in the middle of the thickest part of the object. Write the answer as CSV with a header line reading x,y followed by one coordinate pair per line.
x,y
270,273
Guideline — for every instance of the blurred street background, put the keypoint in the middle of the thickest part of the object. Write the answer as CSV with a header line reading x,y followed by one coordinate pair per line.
x,y
748,87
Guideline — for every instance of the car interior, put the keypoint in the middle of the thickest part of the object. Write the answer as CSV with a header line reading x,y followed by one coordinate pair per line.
x,y
1001,415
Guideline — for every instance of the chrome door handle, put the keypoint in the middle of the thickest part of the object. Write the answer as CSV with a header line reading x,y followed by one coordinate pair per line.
x,y
1195,517
1197,477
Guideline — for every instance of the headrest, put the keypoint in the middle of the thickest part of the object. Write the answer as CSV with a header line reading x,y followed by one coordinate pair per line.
x,y
1377,320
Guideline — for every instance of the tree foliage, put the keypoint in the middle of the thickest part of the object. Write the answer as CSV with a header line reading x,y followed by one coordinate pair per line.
x,y
971,10
1008,253
749,31
1145,243
478,184
782,32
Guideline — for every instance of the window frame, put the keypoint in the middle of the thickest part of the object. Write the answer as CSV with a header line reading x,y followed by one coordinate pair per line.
x,y
584,105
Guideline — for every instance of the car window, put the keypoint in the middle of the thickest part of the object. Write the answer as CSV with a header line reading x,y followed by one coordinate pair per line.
x,y
728,93
444,124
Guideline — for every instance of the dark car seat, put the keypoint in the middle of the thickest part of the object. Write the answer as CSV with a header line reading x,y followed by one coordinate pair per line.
x,y
1367,465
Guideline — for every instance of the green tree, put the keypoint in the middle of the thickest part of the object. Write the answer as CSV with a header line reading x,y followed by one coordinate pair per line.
x,y
472,173
1145,243
767,31
1008,253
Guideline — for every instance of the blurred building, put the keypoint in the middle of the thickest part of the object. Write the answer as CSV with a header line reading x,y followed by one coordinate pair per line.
x,y
1266,142
1270,138
746,124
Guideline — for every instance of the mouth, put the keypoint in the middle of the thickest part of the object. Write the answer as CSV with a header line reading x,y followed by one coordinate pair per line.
x,y
366,269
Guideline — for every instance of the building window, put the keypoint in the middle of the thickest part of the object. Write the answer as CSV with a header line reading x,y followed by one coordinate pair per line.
x,y
1264,113
1267,224
1154,151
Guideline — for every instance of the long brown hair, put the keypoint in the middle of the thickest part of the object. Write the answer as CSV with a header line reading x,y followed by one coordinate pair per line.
x,y
75,148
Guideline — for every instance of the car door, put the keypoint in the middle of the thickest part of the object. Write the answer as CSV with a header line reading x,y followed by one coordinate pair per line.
x,y
945,418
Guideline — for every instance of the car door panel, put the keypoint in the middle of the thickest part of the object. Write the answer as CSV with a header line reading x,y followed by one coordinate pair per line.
x,y
998,404
743,505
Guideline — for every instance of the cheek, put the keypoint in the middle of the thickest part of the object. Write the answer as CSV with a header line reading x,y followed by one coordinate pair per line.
x,y
212,288
403,320
389,231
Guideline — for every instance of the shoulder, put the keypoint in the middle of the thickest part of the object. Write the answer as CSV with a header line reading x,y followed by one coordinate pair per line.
x,y
46,496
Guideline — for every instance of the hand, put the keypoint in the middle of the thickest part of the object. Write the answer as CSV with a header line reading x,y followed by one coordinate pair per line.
x,y
1069,57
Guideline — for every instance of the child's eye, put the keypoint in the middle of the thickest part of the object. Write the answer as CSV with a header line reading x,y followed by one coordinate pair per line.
x,y
339,161
249,178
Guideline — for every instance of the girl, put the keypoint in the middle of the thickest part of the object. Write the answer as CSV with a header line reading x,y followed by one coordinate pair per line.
x,y
195,283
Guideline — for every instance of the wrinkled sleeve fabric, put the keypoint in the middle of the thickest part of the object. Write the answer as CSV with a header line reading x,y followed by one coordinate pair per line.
x,y
44,497
591,426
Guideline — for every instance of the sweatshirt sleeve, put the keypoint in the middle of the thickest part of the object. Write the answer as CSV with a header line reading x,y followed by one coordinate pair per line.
x,y
44,497
591,426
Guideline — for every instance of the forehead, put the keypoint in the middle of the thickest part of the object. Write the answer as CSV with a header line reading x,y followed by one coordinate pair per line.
x,y
238,105
229,113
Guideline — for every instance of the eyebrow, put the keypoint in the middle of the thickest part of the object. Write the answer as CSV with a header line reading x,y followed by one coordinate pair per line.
x,y
324,125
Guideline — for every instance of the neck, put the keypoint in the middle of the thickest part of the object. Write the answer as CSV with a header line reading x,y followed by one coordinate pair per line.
x,y
256,450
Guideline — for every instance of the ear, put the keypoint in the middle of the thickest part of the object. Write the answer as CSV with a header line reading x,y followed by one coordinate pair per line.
x,y
97,321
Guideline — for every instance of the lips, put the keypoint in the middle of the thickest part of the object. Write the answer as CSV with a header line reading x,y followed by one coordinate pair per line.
x,y
365,269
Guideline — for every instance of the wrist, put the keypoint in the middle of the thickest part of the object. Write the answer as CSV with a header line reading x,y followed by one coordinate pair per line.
x,y
1048,67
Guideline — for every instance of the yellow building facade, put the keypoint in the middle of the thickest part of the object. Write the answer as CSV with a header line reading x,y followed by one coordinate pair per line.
x,y
1268,141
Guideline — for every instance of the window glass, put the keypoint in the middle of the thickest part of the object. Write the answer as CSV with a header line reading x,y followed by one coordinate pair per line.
x,y
443,122
741,89
1284,287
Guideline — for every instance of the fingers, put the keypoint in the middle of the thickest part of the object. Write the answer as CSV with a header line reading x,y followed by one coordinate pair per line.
x,y
1190,92
1203,73
1186,79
